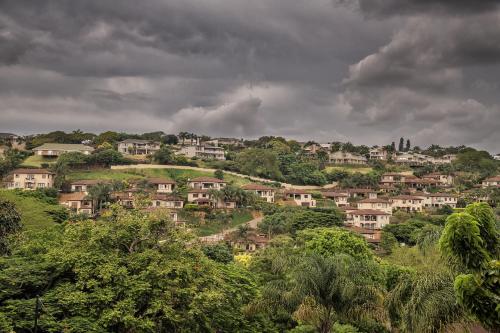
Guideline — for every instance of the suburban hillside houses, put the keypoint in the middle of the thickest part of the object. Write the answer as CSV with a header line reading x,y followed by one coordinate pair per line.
x,y
380,154
440,179
491,182
300,197
206,183
340,157
264,192
407,203
375,204
138,147
203,151
438,200
29,179
340,198
56,149
367,218
416,159
77,202
162,185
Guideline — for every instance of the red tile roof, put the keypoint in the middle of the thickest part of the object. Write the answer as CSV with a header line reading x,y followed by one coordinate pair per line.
x,y
368,212
32,171
257,187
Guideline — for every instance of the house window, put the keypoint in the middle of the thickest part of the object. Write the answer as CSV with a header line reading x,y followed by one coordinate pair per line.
x,y
306,196
41,185
195,195
157,204
17,176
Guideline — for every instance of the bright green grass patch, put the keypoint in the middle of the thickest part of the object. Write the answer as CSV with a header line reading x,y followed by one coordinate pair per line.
x,y
32,210
350,169
126,174
239,217
37,160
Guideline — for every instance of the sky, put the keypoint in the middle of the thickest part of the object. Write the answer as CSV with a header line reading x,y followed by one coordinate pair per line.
x,y
365,71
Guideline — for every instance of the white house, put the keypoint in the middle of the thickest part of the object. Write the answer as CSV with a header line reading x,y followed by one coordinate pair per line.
x,y
375,204
78,202
262,191
162,185
437,200
339,198
340,157
301,197
408,203
206,183
56,149
491,182
368,218
203,151
29,179
138,147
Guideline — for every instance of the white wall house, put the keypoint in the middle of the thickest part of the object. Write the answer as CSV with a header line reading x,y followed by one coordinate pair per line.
x,y
301,197
264,192
29,179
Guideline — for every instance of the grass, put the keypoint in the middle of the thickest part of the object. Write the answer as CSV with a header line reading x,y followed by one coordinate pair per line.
x,y
350,169
239,217
37,160
127,174
32,210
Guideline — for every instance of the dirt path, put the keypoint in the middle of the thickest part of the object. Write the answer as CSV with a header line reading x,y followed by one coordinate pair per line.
x,y
181,167
220,236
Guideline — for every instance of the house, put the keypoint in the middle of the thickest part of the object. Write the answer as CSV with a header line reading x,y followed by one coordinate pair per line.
x,y
391,179
13,141
204,151
491,182
162,185
264,192
380,154
166,201
497,157
225,142
78,202
445,159
138,147
202,197
375,204
411,159
440,179
30,179
84,185
361,193
250,243
206,183
414,182
125,198
367,218
340,157
373,236
437,200
407,203
57,149
300,197
339,198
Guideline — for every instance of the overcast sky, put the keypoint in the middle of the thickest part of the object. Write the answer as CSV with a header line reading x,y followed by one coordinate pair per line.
x,y
367,71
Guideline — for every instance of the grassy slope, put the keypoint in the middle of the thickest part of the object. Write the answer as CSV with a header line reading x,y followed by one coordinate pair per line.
x,y
33,215
351,169
239,217
36,161
142,173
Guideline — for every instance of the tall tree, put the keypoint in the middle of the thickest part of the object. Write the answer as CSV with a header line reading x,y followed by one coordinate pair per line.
x,y
393,146
10,223
401,144
408,145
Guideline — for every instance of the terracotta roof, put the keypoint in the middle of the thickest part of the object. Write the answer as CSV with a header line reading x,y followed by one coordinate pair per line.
x,y
369,212
160,181
439,195
378,200
493,179
257,187
361,190
32,171
164,197
76,196
406,197
202,200
206,180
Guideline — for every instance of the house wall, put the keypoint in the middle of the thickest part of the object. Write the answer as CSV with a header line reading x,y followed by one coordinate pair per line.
x,y
31,181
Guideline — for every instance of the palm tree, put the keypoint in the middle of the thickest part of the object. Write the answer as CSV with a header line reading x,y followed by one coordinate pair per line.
x,y
183,136
321,290
215,196
99,193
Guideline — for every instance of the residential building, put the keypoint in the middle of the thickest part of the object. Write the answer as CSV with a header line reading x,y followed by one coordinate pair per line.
x,y
361,193
407,203
203,152
206,183
202,197
491,182
56,149
411,159
251,243
138,147
368,218
162,185
437,200
164,200
380,153
441,179
224,142
340,157
264,192
497,157
84,185
375,204
300,197
29,179
339,198
125,198
445,159
78,202
373,236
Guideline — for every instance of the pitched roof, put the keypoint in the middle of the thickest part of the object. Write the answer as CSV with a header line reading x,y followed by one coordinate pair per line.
x,y
439,195
406,197
493,179
165,197
360,190
75,196
368,212
206,180
138,141
64,147
257,187
378,200
158,180
31,171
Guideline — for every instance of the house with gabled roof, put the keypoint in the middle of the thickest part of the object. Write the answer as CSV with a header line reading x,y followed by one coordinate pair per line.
x,y
491,182
438,200
340,198
340,157
84,185
262,191
57,149
206,183
367,218
162,185
300,197
376,204
138,147
407,203
29,179
78,202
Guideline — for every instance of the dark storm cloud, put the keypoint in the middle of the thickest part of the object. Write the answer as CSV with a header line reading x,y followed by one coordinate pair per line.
x,y
310,69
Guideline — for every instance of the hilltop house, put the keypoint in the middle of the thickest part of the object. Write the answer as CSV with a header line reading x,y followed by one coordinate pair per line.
x,y
440,179
203,152
437,200
367,218
166,201
206,183
340,157
360,193
84,185
138,147
491,182
30,179
407,203
162,185
56,149
262,191
380,153
339,198
375,204
78,202
300,197
202,197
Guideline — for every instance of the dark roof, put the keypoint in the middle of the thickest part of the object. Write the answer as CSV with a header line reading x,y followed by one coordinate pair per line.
x,y
32,171
406,197
207,180
493,179
378,200
138,141
334,194
257,187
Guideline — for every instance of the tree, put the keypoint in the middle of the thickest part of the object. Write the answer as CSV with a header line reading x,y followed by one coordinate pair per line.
x,y
259,162
408,145
164,156
220,252
132,272
388,241
10,223
99,194
219,174
401,144
470,241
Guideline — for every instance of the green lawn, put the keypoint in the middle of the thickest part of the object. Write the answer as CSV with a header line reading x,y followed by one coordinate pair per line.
x,y
37,160
239,217
143,173
32,210
351,169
